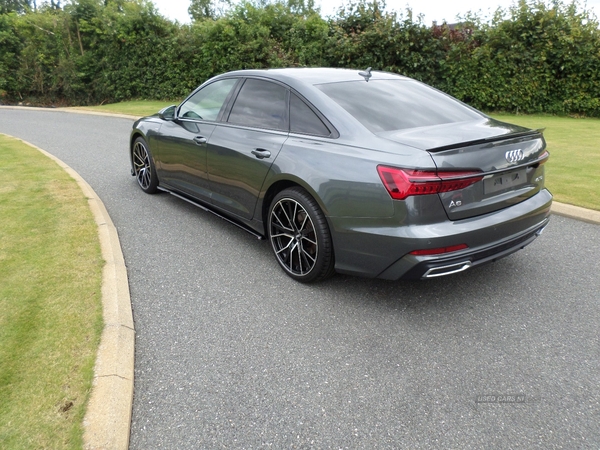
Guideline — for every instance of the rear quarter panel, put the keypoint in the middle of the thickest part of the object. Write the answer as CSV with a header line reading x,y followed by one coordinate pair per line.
x,y
341,175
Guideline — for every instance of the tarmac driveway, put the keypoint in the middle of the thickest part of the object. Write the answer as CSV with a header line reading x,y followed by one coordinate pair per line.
x,y
231,353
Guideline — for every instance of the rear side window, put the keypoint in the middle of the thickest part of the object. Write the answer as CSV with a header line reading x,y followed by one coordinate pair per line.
x,y
260,104
303,120
386,105
208,101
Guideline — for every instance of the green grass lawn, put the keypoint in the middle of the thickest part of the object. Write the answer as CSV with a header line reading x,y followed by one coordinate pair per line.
x,y
573,171
50,301
572,174
138,108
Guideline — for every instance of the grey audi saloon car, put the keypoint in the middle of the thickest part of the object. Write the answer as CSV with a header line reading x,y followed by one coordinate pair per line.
x,y
357,172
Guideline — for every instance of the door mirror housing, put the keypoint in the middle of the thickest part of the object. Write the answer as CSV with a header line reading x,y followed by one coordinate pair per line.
x,y
168,113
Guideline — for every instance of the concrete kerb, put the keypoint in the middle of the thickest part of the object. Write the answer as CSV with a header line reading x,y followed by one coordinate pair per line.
x,y
108,417
72,110
576,212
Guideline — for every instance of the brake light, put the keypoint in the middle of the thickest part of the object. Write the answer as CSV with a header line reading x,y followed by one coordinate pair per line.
x,y
403,183
437,251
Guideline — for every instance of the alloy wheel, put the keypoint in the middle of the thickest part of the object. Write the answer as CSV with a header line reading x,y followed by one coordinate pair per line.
x,y
293,237
141,164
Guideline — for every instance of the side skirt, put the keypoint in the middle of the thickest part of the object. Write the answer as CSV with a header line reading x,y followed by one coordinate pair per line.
x,y
201,206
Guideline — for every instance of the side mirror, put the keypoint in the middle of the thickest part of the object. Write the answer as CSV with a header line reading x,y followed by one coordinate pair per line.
x,y
168,113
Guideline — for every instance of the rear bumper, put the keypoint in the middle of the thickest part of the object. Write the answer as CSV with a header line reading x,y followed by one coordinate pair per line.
x,y
447,266
382,250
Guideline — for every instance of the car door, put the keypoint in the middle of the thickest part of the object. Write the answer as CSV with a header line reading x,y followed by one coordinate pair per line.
x,y
241,151
183,141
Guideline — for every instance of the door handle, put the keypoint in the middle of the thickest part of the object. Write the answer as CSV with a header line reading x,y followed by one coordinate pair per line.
x,y
261,153
200,140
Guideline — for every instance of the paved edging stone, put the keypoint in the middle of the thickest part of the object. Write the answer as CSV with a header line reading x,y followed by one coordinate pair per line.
x,y
107,421
576,212
72,110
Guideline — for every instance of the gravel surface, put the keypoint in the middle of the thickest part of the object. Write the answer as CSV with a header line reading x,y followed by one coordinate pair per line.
x,y
231,353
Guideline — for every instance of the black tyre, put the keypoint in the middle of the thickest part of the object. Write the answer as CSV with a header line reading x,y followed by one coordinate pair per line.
x,y
143,166
300,236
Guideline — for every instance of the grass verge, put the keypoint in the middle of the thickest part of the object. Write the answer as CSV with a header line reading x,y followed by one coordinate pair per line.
x,y
50,301
573,171
139,108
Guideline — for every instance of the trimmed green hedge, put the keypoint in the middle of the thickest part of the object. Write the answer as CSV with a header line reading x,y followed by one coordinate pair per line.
x,y
535,57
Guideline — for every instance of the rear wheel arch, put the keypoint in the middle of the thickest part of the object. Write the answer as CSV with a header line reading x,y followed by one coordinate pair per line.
x,y
270,194
279,186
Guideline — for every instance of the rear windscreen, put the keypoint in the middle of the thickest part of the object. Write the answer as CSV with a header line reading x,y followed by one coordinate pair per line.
x,y
386,105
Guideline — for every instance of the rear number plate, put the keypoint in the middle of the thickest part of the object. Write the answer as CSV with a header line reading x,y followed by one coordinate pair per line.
x,y
504,181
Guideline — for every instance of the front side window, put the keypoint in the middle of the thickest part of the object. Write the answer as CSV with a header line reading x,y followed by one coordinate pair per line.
x,y
387,105
260,104
208,101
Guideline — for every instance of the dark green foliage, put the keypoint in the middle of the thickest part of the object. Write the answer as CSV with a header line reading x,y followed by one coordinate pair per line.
x,y
10,48
207,9
18,6
362,36
534,57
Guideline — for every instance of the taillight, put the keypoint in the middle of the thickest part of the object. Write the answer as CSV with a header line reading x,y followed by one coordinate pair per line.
x,y
402,183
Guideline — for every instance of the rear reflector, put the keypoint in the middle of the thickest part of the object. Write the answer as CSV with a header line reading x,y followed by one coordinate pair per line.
x,y
402,183
438,251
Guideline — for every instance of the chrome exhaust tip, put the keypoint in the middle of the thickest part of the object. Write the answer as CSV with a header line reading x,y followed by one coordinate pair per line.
x,y
541,230
447,270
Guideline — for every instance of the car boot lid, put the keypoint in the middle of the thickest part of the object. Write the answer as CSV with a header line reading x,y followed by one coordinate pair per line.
x,y
437,138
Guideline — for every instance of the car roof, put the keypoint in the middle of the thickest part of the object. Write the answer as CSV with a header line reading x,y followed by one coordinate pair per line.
x,y
315,75
304,81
